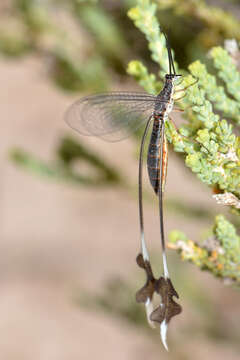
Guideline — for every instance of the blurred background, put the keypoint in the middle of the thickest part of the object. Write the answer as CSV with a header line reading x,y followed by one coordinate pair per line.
x,y
69,215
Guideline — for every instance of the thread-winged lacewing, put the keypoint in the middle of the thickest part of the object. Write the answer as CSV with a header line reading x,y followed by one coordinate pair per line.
x,y
113,117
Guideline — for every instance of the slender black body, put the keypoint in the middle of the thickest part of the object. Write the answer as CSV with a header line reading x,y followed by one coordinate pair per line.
x,y
163,106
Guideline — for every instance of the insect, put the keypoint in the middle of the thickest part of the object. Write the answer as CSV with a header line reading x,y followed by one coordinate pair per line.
x,y
113,117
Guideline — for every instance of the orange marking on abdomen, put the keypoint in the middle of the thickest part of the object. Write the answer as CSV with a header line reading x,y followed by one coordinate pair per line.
x,y
164,162
155,176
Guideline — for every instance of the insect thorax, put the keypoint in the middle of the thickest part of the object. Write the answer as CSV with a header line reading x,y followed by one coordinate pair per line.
x,y
164,103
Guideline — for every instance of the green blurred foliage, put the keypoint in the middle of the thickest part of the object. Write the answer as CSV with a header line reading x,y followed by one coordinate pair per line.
x,y
63,168
90,41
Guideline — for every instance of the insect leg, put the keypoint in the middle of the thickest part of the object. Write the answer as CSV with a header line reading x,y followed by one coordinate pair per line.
x,y
181,97
143,243
182,110
179,90
177,109
185,137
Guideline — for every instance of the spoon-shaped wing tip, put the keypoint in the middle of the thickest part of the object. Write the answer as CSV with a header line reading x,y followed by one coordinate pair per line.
x,y
163,333
149,310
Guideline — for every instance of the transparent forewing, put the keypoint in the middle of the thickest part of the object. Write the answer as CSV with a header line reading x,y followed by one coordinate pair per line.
x,y
111,116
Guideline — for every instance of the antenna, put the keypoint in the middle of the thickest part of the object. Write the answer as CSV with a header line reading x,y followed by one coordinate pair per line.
x,y
170,57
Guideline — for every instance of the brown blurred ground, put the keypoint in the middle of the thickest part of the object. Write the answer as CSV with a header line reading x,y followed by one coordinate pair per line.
x,y
57,239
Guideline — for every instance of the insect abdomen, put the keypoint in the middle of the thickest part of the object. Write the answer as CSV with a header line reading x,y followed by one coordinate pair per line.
x,y
154,157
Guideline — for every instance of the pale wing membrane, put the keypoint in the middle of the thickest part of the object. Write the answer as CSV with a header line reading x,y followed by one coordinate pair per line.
x,y
111,116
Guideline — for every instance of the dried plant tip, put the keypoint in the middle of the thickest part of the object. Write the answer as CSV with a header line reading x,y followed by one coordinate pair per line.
x,y
231,46
227,199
